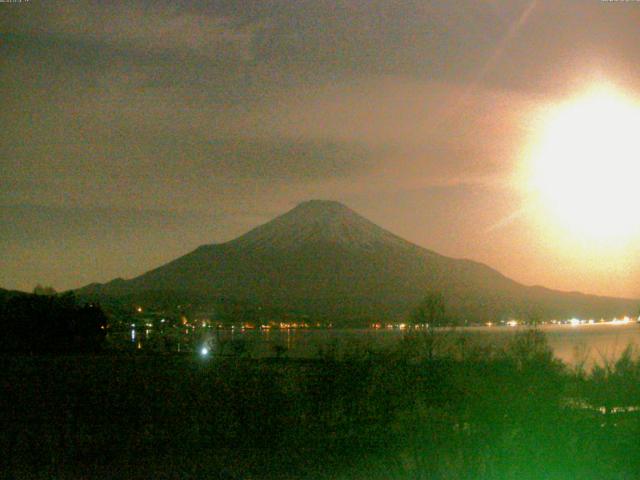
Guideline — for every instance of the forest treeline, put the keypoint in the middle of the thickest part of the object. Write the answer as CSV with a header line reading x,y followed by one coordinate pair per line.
x,y
45,322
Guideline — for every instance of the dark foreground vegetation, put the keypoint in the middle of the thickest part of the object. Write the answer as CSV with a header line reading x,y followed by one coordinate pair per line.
x,y
49,323
428,409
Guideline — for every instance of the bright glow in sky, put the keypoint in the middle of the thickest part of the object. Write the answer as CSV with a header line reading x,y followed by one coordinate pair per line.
x,y
584,167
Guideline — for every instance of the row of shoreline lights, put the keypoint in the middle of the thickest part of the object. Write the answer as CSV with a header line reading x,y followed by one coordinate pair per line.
x,y
578,321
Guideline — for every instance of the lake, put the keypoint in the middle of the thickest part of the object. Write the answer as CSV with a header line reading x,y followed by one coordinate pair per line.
x,y
573,344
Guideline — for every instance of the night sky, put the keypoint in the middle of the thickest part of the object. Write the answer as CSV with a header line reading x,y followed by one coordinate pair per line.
x,y
132,132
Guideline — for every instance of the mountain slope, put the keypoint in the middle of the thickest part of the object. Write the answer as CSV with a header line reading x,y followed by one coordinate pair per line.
x,y
323,258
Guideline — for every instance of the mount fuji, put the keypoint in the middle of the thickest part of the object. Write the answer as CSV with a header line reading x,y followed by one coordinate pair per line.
x,y
324,259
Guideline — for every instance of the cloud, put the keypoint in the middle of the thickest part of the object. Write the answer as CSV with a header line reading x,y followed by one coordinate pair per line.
x,y
445,41
135,27
111,135
269,159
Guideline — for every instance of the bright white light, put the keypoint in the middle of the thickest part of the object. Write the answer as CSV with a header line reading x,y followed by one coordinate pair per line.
x,y
620,321
585,166
204,351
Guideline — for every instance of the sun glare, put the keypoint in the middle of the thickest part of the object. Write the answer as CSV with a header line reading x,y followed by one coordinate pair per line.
x,y
585,166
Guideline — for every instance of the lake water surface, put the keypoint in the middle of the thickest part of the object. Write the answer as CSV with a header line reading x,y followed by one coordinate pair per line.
x,y
587,344
590,344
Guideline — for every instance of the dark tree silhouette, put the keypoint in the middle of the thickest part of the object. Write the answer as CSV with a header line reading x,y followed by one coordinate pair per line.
x,y
50,323
44,290
431,311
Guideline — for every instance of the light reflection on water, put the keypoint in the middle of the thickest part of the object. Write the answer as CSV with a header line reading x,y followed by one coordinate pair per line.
x,y
591,343
586,344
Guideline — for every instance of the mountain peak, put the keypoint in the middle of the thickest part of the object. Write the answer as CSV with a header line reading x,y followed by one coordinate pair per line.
x,y
325,221
318,205
322,210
